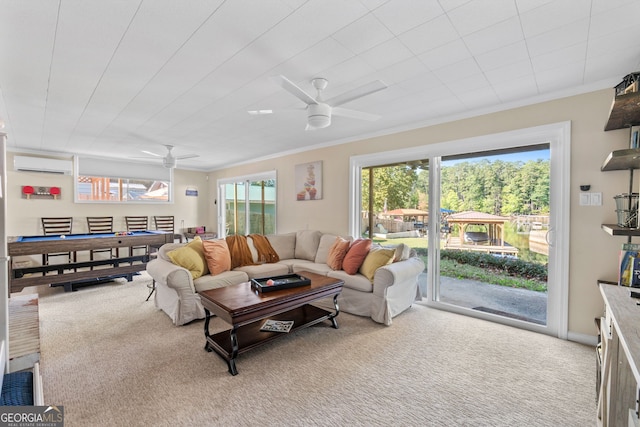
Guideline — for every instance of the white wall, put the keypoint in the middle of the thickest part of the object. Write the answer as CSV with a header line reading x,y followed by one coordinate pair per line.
x,y
593,253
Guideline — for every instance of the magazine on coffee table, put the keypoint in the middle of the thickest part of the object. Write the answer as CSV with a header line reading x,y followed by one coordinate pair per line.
x,y
277,325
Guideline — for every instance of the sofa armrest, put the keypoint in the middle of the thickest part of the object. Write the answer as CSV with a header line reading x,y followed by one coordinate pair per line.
x,y
402,273
171,275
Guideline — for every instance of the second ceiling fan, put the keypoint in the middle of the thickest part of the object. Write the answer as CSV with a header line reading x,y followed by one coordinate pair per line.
x,y
319,111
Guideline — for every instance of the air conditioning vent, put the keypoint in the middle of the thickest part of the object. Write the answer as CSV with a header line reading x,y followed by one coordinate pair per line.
x,y
42,165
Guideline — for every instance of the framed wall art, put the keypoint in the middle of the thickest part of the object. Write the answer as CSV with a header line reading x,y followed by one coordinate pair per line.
x,y
308,179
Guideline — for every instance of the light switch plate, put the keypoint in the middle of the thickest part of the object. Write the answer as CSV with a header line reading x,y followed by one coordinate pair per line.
x,y
596,199
585,199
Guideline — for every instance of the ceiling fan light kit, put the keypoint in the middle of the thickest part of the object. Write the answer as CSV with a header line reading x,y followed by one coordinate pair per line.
x,y
319,112
319,116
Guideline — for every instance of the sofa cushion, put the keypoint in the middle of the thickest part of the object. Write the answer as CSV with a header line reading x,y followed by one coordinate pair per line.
x,y
356,255
352,281
302,265
376,258
216,253
191,257
264,270
337,253
221,280
326,242
283,244
307,242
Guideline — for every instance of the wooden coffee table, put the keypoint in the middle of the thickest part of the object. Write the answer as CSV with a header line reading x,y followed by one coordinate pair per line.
x,y
245,309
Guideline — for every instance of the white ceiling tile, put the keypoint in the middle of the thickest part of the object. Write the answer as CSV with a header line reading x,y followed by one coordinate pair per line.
x,y
553,15
478,15
560,78
363,34
428,36
402,15
567,56
517,89
568,35
402,71
526,5
386,54
503,33
458,71
314,60
503,56
514,71
447,5
479,97
469,83
621,19
448,54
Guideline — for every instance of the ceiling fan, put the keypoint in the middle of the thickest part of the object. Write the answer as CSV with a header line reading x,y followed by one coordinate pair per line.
x,y
170,161
319,111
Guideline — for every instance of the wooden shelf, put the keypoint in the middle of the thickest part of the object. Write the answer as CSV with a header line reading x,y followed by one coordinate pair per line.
x,y
625,111
616,230
622,160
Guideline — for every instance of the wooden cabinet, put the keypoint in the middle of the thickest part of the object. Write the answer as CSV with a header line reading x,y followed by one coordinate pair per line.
x,y
620,357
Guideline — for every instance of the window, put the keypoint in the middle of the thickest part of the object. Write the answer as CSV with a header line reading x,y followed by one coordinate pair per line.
x,y
247,205
107,181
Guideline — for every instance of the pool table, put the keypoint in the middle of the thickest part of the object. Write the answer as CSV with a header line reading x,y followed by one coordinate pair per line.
x,y
72,273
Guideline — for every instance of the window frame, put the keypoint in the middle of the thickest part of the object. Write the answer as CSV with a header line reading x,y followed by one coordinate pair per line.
x,y
118,165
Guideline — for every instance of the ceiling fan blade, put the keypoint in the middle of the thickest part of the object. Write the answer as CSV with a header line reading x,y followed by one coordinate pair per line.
x,y
353,114
359,92
187,156
152,154
291,87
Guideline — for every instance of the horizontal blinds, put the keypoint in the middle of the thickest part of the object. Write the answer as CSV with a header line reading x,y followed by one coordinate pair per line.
x,y
122,169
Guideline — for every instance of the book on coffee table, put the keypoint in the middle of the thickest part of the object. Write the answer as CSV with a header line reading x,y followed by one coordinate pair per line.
x,y
277,325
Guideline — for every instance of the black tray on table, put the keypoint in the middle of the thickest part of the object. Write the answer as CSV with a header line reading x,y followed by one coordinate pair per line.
x,y
279,282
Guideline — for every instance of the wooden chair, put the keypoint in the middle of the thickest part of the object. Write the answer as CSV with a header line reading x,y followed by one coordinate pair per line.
x,y
166,223
101,224
137,223
57,226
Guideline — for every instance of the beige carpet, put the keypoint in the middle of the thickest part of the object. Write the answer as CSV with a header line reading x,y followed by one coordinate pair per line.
x,y
112,359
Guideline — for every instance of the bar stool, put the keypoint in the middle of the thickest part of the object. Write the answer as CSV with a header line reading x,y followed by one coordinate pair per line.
x,y
57,226
166,223
101,224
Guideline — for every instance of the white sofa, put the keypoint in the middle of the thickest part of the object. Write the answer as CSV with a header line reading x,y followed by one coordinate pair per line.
x,y
394,287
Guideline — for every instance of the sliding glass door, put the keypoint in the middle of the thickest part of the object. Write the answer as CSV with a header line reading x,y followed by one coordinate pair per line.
x,y
488,215
247,205
494,248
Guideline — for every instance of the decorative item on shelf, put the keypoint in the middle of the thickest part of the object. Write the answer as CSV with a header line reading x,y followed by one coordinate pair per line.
x,y
634,140
627,209
31,192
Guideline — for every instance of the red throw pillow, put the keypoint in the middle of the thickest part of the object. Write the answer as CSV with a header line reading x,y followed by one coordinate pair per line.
x,y
356,255
337,252
216,252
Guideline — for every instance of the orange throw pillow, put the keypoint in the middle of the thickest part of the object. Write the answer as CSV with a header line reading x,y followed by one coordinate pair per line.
x,y
356,255
337,252
217,254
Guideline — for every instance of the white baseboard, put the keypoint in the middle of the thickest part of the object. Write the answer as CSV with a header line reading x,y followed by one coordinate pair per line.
x,y
583,338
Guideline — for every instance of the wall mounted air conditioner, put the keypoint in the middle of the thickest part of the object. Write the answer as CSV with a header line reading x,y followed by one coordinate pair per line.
x,y
42,164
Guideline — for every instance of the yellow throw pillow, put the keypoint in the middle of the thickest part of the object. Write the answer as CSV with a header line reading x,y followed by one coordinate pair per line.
x,y
376,258
191,257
